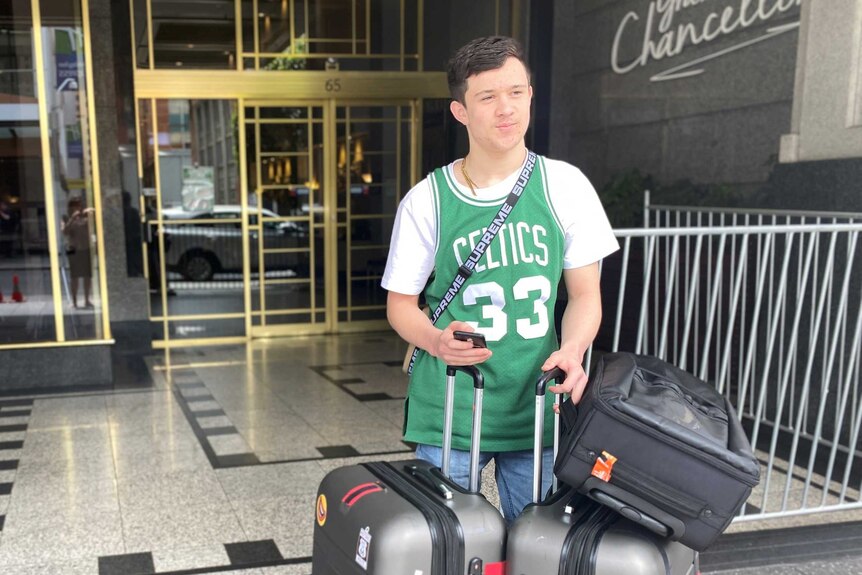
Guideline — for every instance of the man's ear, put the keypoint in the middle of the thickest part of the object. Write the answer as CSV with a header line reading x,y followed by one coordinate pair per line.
x,y
459,111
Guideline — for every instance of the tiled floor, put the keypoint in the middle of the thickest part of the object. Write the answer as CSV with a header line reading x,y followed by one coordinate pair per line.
x,y
212,468
216,464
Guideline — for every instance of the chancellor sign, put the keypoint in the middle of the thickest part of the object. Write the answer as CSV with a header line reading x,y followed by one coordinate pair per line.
x,y
666,32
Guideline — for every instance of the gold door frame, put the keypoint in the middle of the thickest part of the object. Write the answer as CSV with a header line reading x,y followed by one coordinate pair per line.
x,y
329,240
293,85
332,309
415,105
327,89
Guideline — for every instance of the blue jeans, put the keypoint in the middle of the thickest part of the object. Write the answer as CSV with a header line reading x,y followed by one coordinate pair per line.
x,y
514,473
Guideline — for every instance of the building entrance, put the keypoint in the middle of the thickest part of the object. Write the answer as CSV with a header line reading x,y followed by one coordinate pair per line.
x,y
271,218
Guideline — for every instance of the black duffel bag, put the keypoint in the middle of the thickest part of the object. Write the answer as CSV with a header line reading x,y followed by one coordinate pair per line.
x,y
660,446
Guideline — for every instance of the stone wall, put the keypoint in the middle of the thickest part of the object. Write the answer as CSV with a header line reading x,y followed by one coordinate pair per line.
x,y
689,90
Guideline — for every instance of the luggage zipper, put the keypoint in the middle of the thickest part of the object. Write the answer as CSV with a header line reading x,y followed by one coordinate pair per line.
x,y
447,539
653,491
682,446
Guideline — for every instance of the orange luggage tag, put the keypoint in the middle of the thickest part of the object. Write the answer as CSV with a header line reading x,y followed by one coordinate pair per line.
x,y
603,466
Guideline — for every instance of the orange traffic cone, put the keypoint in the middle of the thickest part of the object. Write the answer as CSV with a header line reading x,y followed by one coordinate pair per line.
x,y
17,296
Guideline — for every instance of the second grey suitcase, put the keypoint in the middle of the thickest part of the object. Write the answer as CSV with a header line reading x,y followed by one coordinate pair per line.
x,y
570,534
387,518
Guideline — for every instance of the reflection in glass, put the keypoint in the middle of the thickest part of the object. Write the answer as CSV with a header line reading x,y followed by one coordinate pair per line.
x,y
25,275
285,155
354,35
330,35
26,272
187,35
201,212
73,200
77,227
27,308
373,174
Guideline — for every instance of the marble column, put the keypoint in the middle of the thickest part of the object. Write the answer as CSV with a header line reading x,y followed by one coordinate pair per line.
x,y
109,22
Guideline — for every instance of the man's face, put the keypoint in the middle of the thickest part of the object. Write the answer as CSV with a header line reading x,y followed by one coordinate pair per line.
x,y
496,107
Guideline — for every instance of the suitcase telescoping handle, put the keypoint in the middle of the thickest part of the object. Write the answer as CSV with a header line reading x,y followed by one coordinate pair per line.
x,y
558,375
449,408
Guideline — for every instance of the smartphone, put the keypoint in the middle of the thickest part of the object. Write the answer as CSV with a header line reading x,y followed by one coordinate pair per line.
x,y
477,338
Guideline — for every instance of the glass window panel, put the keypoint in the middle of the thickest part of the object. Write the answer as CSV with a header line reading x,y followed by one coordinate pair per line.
x,y
293,63
274,31
440,138
370,157
148,189
284,137
23,228
63,46
286,170
360,315
205,328
16,56
202,213
288,113
157,330
248,18
350,35
141,33
286,318
285,154
191,34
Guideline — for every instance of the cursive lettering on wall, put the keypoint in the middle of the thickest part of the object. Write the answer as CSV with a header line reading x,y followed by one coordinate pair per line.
x,y
665,34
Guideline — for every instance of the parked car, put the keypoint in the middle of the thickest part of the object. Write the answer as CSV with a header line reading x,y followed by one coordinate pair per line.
x,y
198,251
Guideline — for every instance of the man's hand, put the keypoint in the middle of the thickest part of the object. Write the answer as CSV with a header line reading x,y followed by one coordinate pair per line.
x,y
413,325
576,379
457,352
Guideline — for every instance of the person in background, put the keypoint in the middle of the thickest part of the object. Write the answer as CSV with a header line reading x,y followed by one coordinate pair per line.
x,y
76,231
8,228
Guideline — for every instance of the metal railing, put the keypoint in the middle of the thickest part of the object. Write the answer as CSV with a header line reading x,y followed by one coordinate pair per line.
x,y
772,316
666,216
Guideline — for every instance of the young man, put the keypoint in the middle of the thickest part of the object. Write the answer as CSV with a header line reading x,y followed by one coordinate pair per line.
x,y
558,227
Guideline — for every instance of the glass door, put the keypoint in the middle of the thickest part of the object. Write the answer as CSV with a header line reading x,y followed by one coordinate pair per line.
x,y
194,232
326,179
271,218
375,156
287,223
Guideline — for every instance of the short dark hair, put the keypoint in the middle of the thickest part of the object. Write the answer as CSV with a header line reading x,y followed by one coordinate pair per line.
x,y
480,55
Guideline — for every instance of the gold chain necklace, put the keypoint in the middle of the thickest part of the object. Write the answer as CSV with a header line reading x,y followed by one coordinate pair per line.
x,y
470,182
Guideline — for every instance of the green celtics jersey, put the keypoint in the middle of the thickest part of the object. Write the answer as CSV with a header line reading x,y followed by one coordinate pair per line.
x,y
510,298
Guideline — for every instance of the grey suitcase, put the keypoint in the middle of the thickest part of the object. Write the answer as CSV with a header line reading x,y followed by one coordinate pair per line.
x,y
387,518
570,534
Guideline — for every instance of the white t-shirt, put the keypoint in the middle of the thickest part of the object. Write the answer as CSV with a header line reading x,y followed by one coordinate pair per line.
x,y
588,233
